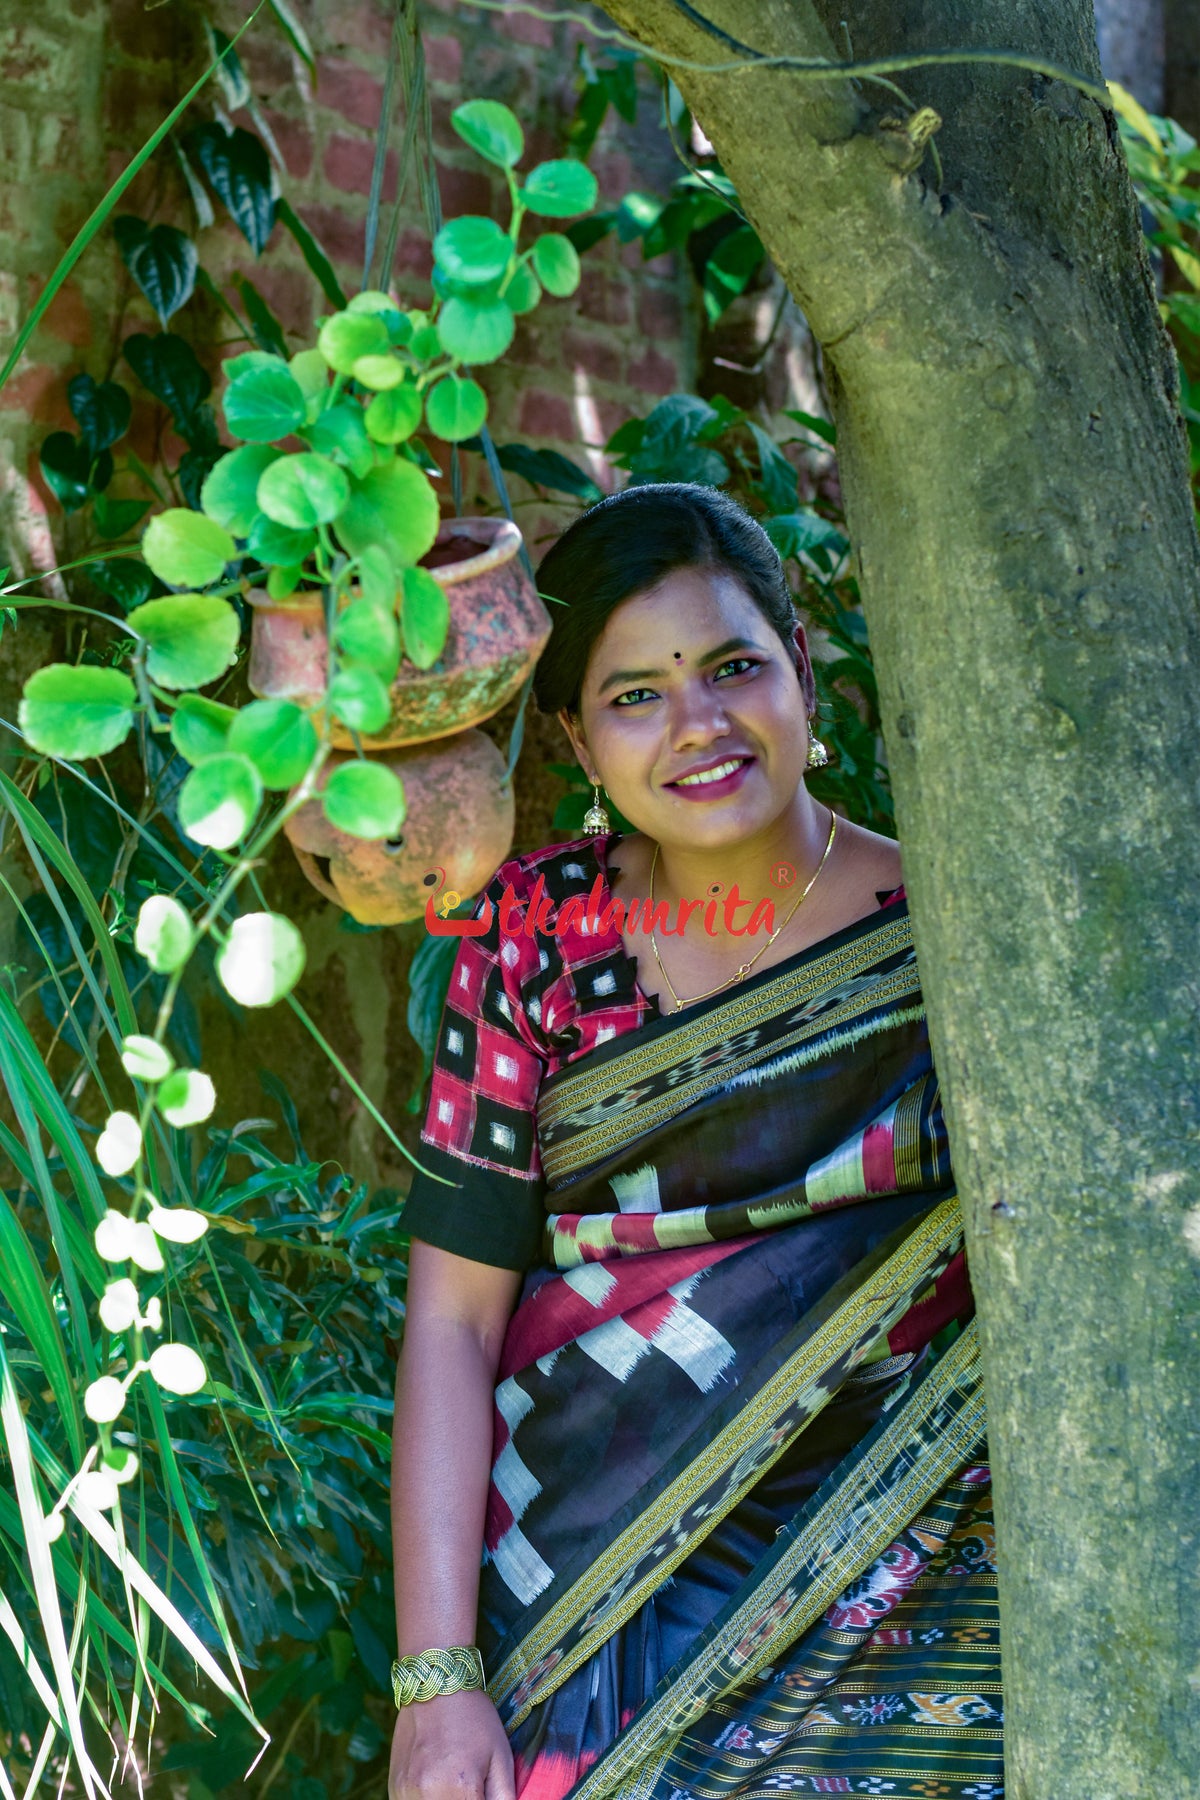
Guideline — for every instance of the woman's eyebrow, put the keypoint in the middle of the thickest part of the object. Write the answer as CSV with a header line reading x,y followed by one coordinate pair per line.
x,y
622,675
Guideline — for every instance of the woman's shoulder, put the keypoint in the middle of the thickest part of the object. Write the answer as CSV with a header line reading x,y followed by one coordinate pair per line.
x,y
563,868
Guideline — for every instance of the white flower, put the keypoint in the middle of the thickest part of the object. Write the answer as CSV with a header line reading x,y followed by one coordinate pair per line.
x,y
178,1368
143,1249
178,1224
104,1400
153,1317
97,1489
113,1237
119,1144
145,1058
119,1302
120,1465
54,1526
187,1097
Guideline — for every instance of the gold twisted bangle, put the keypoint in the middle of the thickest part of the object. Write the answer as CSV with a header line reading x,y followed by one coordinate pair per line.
x,y
436,1672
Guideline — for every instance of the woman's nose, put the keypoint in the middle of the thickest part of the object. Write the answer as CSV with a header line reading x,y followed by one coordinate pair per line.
x,y
697,718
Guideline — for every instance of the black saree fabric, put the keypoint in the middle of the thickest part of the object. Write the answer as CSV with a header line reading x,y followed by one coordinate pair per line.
x,y
739,1530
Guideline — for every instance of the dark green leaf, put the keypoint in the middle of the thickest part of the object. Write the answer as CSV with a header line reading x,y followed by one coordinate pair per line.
x,y
115,517
66,464
586,232
123,580
313,254
268,332
812,422
549,469
167,365
102,411
777,479
795,534
162,260
195,468
730,269
239,169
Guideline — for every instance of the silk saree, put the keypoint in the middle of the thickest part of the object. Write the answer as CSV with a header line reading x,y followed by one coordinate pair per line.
x,y
739,1536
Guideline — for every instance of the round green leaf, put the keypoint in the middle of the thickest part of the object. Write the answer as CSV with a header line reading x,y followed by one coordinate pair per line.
x,y
472,249
279,739
261,960
341,433
360,699
303,491
282,581
559,190
378,372
364,799
473,333
219,799
456,408
76,712
199,727
265,403
249,362
371,300
311,372
231,486
556,261
492,130
348,335
523,292
377,578
426,344
370,635
424,617
274,543
163,934
185,549
395,415
395,507
190,638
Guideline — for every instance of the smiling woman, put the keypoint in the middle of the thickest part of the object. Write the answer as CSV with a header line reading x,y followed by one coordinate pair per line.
x,y
698,1258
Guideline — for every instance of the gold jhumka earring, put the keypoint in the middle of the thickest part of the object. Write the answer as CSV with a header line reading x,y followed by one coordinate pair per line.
x,y
818,755
595,819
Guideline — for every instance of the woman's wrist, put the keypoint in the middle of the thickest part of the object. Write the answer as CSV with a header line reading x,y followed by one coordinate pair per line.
x,y
452,1669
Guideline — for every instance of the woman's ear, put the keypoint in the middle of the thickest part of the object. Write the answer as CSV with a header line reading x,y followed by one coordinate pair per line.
x,y
578,742
804,669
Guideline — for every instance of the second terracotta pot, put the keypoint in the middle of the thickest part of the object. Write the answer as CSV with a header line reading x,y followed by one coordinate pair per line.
x,y
459,821
498,629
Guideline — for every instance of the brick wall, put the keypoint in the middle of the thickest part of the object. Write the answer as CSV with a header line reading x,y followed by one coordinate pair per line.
x,y
83,83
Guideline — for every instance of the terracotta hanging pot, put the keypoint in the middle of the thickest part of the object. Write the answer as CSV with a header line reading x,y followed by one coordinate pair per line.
x,y
459,819
498,629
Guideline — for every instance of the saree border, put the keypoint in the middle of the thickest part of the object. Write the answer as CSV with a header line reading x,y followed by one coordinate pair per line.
x,y
725,1463
836,1540
576,1088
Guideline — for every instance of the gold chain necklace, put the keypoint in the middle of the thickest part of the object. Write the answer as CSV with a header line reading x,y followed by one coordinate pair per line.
x,y
740,973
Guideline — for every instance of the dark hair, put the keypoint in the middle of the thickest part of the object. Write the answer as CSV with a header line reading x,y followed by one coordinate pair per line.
x,y
631,541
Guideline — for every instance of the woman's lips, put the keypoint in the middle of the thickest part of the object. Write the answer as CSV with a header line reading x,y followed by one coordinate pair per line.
x,y
713,790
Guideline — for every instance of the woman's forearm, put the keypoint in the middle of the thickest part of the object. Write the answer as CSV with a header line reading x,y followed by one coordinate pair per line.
x,y
442,1446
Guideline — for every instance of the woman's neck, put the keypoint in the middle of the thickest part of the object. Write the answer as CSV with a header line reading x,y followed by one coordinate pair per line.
x,y
774,864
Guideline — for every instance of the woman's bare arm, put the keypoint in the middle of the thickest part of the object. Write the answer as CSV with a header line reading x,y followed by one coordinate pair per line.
x,y
456,1317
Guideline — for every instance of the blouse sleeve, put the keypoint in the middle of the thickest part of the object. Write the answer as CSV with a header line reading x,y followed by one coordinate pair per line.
x,y
480,1128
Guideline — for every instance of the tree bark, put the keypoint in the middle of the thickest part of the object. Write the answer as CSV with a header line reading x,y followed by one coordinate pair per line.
x,y
1016,479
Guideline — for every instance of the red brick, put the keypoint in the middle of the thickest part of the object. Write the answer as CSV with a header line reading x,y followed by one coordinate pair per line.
x,y
615,172
547,416
349,162
654,373
348,90
595,355
40,393
295,143
522,28
294,297
443,59
604,299
357,26
468,191
611,414
339,232
660,314
68,318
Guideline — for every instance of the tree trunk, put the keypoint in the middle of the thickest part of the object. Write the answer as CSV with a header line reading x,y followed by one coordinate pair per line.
x,y
1017,487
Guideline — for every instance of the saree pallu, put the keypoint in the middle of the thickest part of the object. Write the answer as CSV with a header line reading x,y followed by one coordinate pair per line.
x,y
739,1535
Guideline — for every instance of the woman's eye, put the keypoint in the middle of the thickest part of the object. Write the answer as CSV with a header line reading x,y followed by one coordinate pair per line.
x,y
631,694
745,662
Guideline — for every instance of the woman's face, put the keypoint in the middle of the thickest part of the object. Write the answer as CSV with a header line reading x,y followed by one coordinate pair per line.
x,y
687,678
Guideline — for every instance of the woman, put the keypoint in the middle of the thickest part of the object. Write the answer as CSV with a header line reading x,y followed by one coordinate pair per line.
x,y
735,1519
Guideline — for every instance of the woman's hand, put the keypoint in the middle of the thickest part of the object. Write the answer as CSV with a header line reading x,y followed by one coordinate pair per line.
x,y
451,1748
